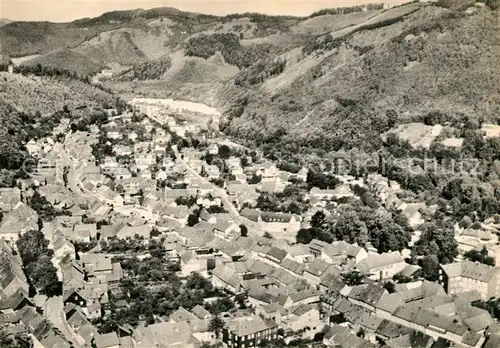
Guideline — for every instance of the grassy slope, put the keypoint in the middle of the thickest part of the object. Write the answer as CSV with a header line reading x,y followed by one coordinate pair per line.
x,y
450,65
69,60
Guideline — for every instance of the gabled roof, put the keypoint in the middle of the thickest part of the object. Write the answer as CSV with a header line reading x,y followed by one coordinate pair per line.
x,y
200,312
277,253
292,266
227,276
159,334
250,325
368,293
469,269
302,295
107,340
374,260
181,315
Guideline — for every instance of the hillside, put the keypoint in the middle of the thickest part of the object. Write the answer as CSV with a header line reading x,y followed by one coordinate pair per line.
x,y
340,94
47,95
69,60
328,81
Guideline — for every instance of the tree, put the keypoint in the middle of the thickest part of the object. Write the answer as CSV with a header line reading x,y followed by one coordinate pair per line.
x,y
353,278
430,268
193,219
215,325
351,229
33,249
224,151
437,239
31,246
43,275
304,236
480,256
318,219
243,230
390,287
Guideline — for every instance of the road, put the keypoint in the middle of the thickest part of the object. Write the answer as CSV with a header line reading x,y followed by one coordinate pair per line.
x,y
54,312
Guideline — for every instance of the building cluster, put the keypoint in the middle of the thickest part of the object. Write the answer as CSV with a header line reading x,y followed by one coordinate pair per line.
x,y
147,190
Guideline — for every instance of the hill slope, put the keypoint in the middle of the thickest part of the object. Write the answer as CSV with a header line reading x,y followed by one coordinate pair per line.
x,y
47,95
432,59
330,81
69,60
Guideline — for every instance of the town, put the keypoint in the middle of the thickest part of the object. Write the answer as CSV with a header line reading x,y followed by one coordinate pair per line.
x,y
145,227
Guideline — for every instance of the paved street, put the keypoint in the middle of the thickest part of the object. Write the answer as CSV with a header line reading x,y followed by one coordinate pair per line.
x,y
54,311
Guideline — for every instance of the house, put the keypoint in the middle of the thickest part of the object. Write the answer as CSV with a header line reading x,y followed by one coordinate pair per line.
x,y
112,198
165,335
122,150
73,274
382,266
207,201
36,324
113,135
300,253
207,217
475,239
9,198
342,191
133,136
78,322
316,270
213,149
338,252
62,247
226,278
191,262
301,317
212,172
127,231
109,340
343,337
179,212
13,279
109,163
276,255
224,228
201,313
248,332
144,160
272,185
83,232
120,173
234,188
460,277
34,147
281,223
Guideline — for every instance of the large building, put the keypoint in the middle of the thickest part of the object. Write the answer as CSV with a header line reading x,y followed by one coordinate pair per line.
x,y
467,276
248,332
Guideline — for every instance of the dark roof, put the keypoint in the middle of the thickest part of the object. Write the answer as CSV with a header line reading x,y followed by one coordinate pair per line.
x,y
368,293
250,214
277,253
